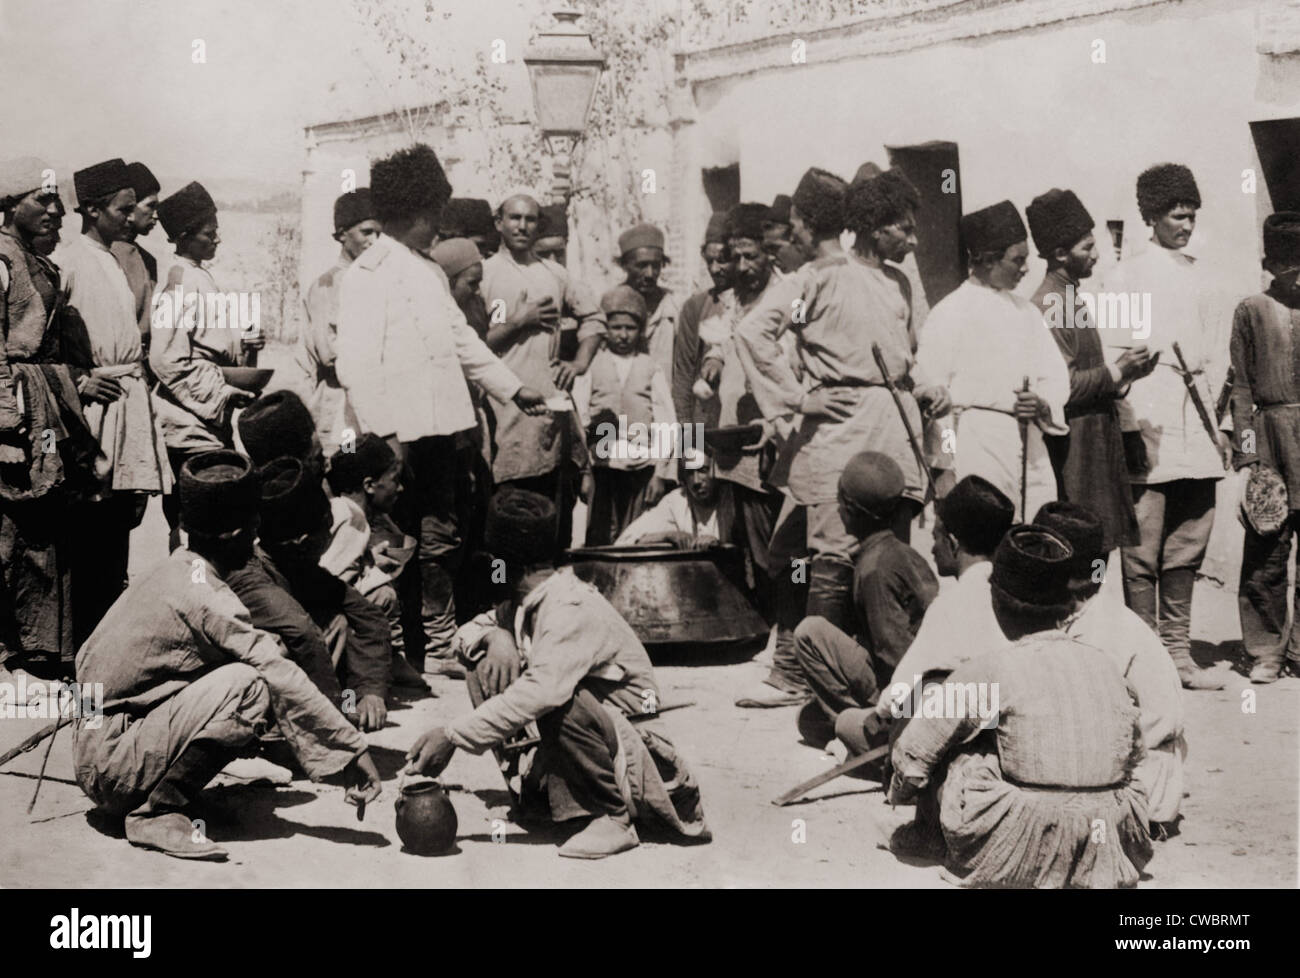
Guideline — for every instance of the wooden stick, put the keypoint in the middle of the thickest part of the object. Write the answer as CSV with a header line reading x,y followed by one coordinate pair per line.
x,y
852,764
45,760
29,743
1024,463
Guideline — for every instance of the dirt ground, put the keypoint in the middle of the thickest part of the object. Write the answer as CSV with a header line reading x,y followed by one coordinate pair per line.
x,y
1239,827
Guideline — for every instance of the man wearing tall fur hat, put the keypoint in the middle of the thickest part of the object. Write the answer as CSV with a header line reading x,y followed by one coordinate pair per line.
x,y
38,394
139,266
405,355
1092,471
193,337
1176,464
982,341
556,654
1266,431
836,307
189,683
1037,750
120,408
355,229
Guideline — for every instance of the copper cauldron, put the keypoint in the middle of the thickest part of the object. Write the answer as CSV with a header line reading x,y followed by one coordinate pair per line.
x,y
674,597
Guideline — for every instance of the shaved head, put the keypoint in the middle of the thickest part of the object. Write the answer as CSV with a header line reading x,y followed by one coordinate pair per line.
x,y
517,222
519,199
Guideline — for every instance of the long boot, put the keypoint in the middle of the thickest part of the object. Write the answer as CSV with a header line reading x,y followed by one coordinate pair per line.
x,y
830,592
161,823
1176,627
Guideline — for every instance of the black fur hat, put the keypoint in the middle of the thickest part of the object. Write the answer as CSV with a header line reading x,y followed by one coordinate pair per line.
x,y
746,221
219,493
276,424
185,210
977,513
992,229
408,182
352,208
520,528
293,503
1282,237
1032,566
1080,528
875,202
1057,219
820,199
1163,187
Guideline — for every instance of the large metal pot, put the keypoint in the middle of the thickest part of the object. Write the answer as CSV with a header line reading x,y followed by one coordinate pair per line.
x,y
674,597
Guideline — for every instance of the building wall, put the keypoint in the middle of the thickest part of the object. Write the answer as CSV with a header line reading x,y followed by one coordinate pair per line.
x,y
1029,109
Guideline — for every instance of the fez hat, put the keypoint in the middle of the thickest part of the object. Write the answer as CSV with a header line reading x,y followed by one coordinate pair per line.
x,y
977,513
218,493
1032,565
464,217
369,459
274,425
454,255
520,528
746,221
408,182
992,229
143,182
554,222
871,482
185,210
1282,237
101,180
1077,526
1163,187
820,199
1057,219
624,299
293,503
352,208
641,236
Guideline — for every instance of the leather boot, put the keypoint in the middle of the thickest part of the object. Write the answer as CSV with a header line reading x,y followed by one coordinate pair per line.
x,y
830,592
1176,627
161,823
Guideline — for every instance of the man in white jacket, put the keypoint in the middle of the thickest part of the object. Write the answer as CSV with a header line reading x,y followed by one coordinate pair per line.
x,y
404,354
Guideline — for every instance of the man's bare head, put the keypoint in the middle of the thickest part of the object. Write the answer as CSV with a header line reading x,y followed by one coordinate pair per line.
x,y
517,219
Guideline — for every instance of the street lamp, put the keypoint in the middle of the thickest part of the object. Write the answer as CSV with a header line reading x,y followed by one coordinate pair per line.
x,y
564,69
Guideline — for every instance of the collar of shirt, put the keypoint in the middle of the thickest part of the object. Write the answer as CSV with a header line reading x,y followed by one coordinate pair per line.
x,y
983,569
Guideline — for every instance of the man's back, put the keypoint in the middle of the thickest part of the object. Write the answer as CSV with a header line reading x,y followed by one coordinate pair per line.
x,y
892,588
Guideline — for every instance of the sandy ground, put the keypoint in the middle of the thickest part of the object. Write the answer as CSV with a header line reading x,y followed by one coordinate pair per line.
x,y
1239,828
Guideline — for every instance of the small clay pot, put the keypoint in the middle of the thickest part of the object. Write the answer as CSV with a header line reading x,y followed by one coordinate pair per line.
x,y
426,820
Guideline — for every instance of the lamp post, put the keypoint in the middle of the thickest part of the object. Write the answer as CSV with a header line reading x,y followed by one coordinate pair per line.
x,y
564,69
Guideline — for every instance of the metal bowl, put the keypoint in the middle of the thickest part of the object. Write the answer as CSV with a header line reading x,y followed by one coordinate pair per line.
x,y
674,597
251,379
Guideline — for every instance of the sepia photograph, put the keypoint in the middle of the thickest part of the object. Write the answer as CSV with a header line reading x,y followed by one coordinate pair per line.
x,y
650,444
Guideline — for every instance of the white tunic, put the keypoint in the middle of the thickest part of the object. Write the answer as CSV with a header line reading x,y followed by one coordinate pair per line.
x,y
981,343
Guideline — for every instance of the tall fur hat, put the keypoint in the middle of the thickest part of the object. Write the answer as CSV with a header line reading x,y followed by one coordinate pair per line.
x,y
977,513
1032,566
746,221
992,229
1163,187
1079,527
1282,237
520,528
820,199
1057,219
352,208
408,182
185,210
874,202
293,503
218,493
276,424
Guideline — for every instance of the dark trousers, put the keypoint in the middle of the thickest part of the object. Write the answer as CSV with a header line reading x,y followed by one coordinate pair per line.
x,y
577,755
171,503
1262,594
100,556
836,667
438,509
556,484
617,498
36,582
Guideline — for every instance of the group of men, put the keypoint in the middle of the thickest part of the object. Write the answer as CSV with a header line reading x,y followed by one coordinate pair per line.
x,y
459,372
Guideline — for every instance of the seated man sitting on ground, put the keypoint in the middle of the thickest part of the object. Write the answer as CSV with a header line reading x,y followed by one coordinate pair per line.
x,y
892,587
367,549
563,658
688,517
1026,779
189,683
1136,651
